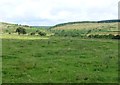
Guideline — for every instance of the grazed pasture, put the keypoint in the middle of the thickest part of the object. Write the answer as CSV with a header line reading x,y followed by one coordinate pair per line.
x,y
60,60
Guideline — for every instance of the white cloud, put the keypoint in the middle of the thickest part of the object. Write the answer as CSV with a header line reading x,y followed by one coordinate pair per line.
x,y
50,12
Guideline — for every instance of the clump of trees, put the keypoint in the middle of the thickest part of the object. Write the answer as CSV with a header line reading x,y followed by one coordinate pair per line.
x,y
21,30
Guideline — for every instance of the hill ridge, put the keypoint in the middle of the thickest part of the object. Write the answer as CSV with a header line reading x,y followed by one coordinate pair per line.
x,y
77,22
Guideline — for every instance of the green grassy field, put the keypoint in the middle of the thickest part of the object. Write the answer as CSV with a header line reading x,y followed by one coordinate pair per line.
x,y
59,60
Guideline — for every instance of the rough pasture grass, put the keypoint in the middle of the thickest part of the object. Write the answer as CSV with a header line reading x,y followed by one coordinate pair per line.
x,y
60,60
21,37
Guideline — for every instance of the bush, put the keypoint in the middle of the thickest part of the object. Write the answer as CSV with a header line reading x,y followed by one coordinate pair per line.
x,y
75,35
42,33
32,33
37,30
110,36
21,30
6,31
89,31
116,37
90,36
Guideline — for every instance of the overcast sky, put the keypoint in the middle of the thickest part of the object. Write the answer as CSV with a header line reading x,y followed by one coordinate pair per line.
x,y
51,12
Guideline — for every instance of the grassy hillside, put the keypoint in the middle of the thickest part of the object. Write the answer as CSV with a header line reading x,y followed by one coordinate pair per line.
x,y
88,26
82,22
86,29
8,28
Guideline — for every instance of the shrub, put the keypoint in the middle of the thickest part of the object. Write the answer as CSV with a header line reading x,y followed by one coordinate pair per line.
x,y
96,36
65,35
32,33
110,36
90,36
42,33
6,31
89,31
37,30
21,30
75,35
116,37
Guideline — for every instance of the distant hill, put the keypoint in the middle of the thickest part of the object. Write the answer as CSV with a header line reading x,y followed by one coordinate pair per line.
x,y
9,27
4,25
79,22
109,21
93,27
46,27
